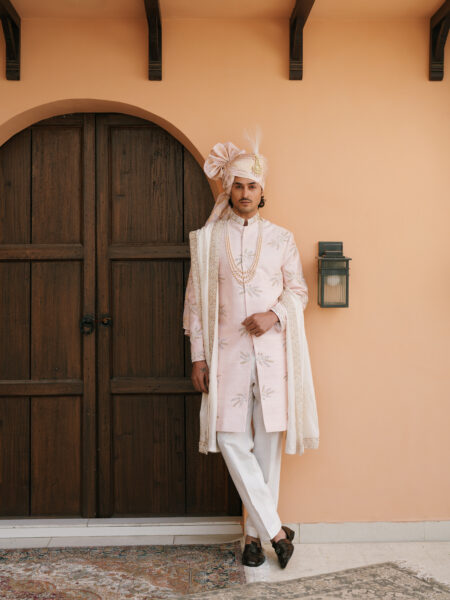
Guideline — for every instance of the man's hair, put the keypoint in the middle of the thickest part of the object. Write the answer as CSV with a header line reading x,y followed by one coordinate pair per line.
x,y
260,205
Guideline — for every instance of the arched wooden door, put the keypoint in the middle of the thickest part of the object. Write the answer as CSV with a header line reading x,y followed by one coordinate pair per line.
x,y
97,412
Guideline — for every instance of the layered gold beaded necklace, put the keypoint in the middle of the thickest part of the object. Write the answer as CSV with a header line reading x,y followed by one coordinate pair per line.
x,y
239,274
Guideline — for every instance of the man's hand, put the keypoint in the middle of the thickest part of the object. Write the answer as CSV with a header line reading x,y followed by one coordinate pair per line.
x,y
259,323
200,376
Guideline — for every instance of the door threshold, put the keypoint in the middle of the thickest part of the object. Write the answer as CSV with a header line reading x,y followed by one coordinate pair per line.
x,y
27,527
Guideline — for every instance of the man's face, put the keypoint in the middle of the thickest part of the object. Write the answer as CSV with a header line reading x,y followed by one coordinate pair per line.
x,y
245,197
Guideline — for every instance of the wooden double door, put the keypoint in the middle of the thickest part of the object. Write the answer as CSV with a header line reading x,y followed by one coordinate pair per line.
x,y
98,416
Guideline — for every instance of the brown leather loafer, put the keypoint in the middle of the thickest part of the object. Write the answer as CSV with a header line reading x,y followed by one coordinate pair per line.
x,y
253,555
284,548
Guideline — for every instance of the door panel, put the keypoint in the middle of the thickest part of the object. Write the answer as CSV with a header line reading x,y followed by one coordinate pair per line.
x,y
47,282
56,192
14,455
147,340
55,452
146,195
149,455
55,316
15,205
15,315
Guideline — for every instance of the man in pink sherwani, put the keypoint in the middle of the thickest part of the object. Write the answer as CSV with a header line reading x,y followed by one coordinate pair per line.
x,y
257,260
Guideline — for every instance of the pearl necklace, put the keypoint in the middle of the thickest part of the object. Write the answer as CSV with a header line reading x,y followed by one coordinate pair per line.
x,y
239,274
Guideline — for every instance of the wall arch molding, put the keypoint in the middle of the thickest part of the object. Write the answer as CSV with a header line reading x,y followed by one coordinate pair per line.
x,y
39,112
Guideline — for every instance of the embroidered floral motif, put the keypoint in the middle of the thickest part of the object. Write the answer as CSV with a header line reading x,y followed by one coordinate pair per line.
x,y
246,257
196,333
222,343
266,392
290,275
277,278
245,357
279,239
213,277
194,307
238,400
292,251
195,270
243,330
297,374
192,324
263,359
251,289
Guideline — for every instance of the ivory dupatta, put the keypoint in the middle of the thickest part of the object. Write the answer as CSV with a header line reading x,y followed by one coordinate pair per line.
x,y
302,423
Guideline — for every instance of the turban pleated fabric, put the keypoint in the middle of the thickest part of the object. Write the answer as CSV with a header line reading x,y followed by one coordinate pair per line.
x,y
227,161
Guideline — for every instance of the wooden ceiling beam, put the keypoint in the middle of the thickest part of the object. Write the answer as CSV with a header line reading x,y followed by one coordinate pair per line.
x,y
297,21
154,40
439,25
11,30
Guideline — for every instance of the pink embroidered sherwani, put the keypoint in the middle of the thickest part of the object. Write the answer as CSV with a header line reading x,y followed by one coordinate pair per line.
x,y
279,266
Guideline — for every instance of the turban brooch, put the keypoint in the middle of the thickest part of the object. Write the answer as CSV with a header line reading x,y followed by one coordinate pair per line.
x,y
226,162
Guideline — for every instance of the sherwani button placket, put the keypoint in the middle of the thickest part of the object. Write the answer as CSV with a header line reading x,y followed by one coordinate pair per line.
x,y
243,267
244,291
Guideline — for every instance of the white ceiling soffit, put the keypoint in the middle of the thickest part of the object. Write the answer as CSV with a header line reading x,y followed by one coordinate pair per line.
x,y
246,9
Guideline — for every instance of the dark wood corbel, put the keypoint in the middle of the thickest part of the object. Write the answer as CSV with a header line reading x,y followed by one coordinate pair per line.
x,y
439,25
154,40
297,21
11,30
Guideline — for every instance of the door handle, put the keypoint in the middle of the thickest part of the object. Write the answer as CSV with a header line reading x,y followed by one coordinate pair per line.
x,y
87,324
106,320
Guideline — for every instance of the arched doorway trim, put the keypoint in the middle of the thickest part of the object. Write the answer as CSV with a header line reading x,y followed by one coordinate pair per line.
x,y
71,105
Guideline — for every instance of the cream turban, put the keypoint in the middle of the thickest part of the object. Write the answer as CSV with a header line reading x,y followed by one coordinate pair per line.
x,y
226,162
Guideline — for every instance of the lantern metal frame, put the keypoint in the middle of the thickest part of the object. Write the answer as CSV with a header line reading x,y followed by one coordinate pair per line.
x,y
331,253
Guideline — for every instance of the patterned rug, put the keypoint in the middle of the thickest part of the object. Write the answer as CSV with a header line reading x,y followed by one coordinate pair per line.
x,y
118,572
386,581
194,572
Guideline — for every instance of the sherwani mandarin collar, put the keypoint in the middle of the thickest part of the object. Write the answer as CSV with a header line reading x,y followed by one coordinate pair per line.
x,y
240,221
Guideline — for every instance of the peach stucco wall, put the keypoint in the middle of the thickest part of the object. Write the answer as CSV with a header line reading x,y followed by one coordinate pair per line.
x,y
358,152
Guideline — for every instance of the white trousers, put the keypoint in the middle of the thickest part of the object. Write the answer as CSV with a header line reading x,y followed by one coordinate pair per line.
x,y
254,463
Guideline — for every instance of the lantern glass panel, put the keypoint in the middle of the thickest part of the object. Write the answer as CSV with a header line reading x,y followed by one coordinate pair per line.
x,y
334,264
334,288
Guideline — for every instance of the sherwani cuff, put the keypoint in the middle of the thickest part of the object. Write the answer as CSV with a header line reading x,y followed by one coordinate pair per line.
x,y
197,355
280,311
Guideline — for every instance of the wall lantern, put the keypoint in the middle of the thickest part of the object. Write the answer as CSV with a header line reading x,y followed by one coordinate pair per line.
x,y
333,275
